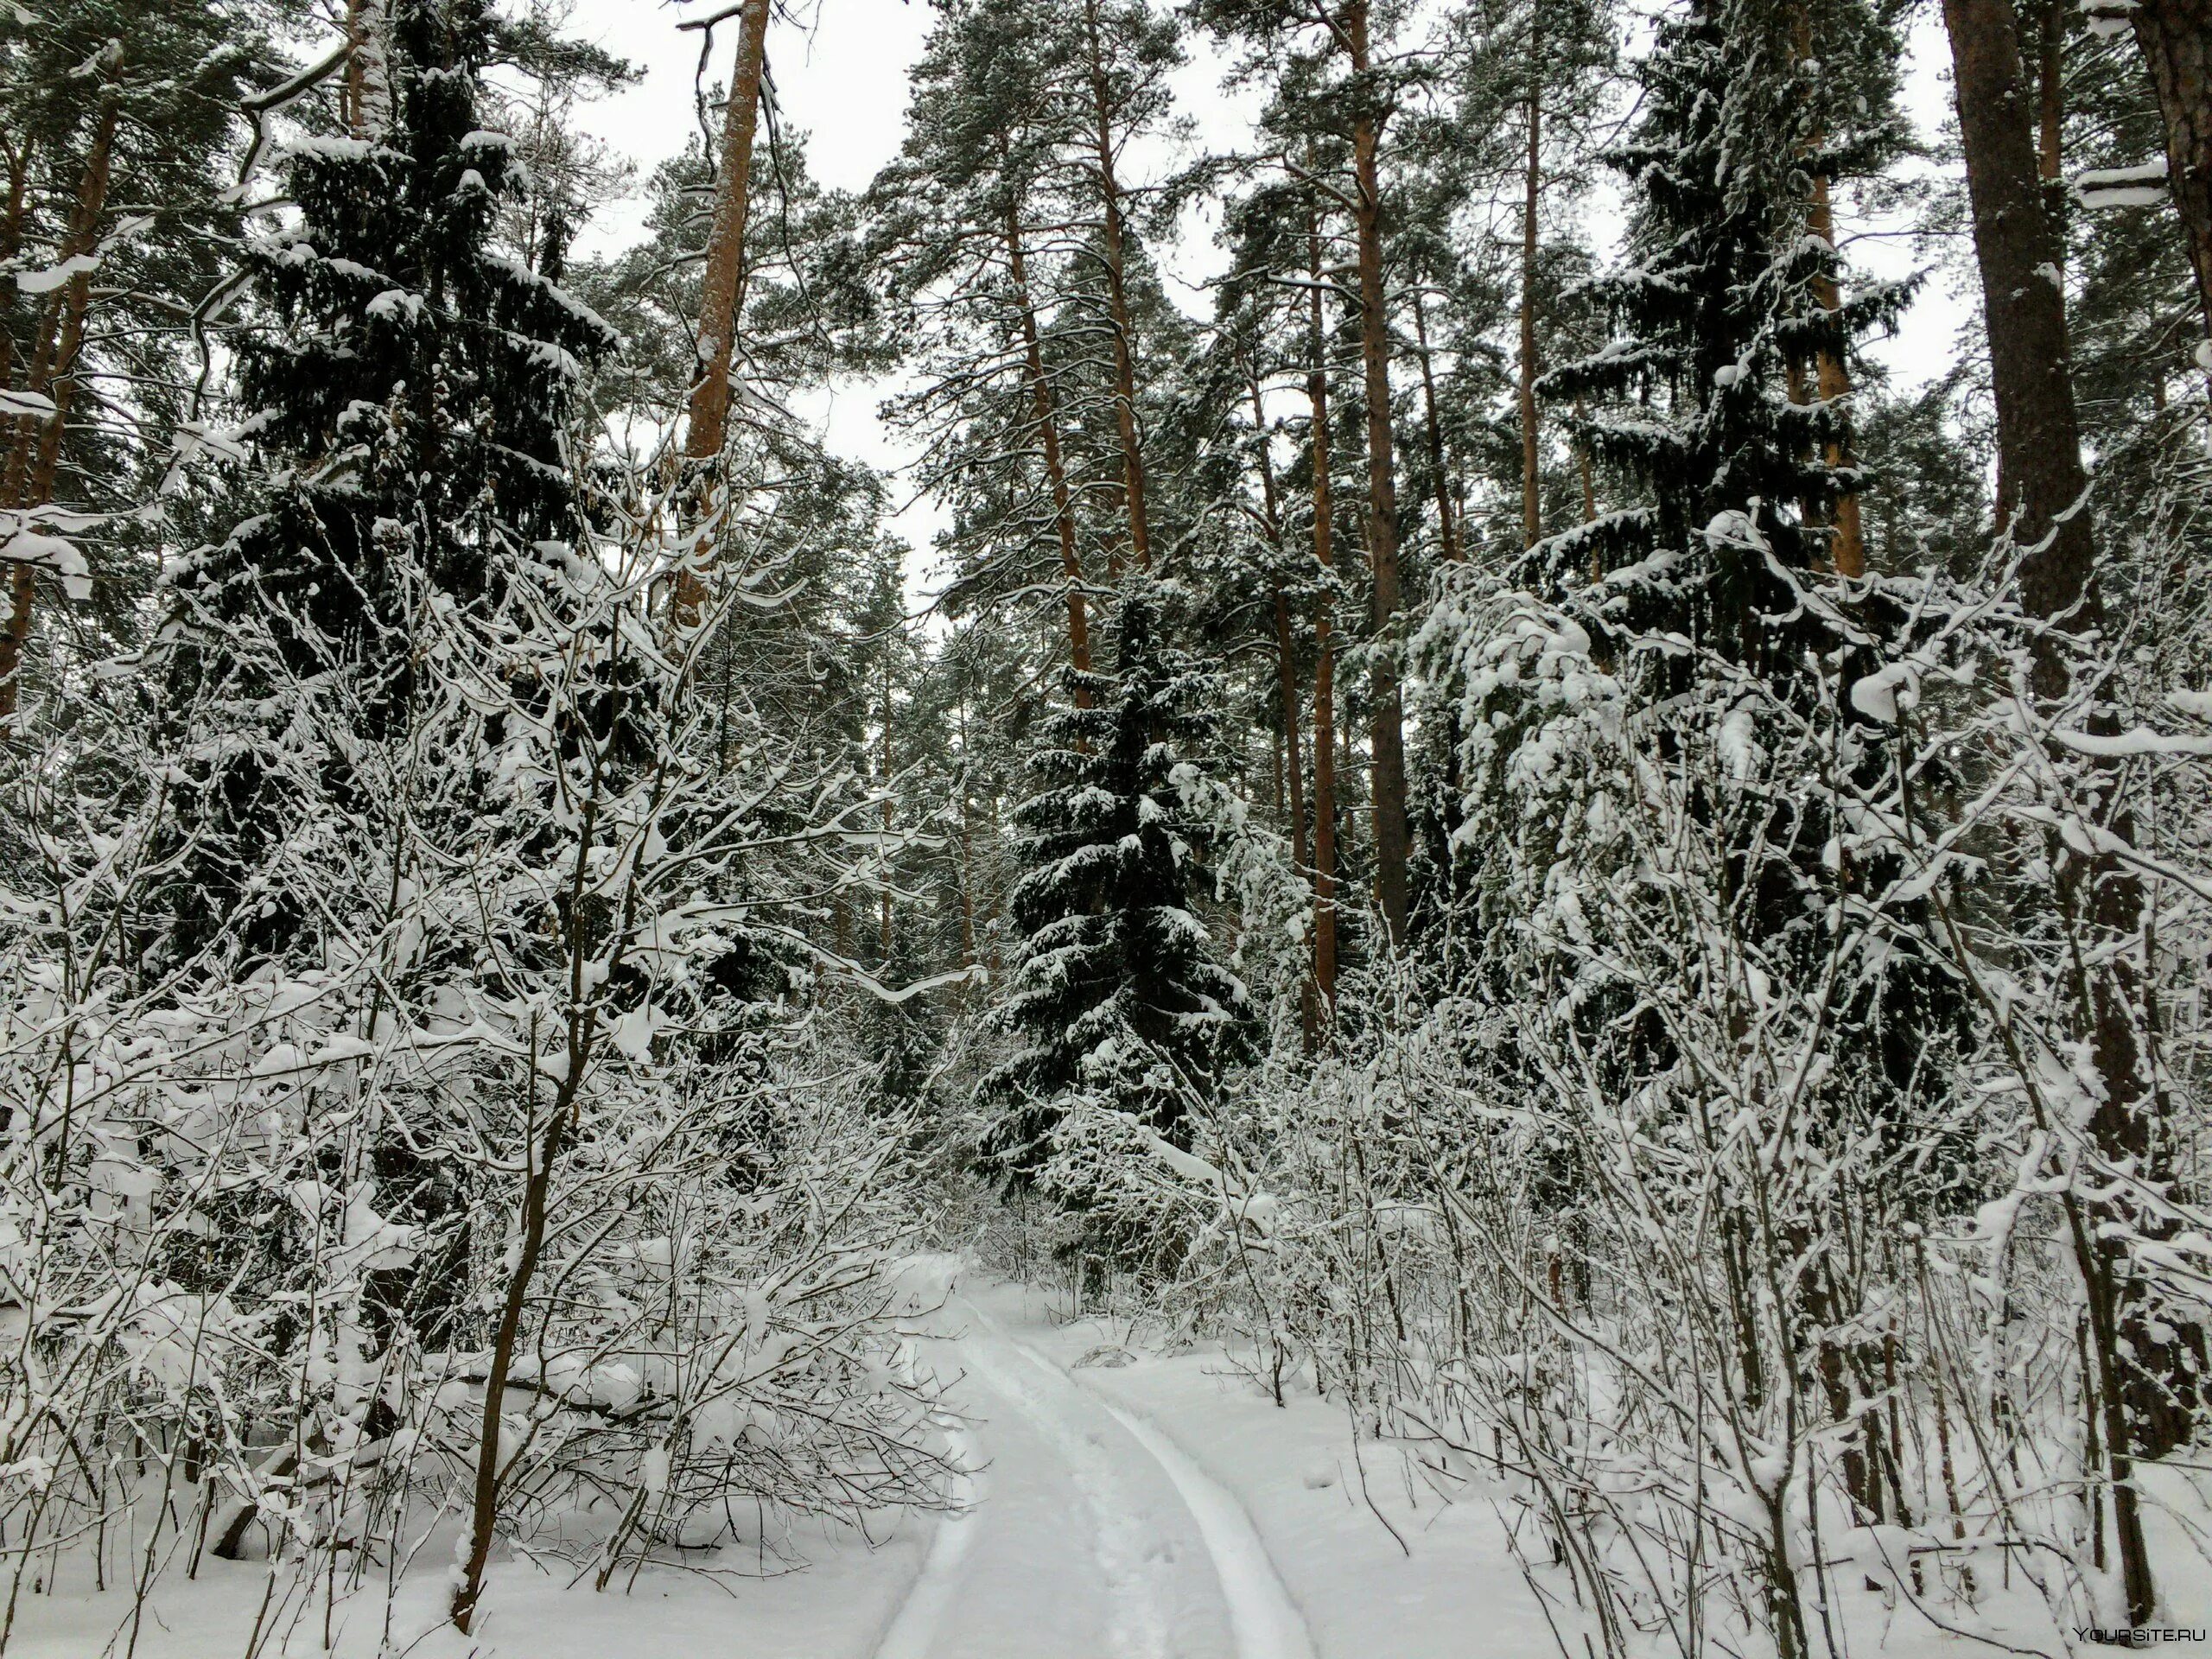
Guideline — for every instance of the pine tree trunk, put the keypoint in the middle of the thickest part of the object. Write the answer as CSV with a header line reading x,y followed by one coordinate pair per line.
x,y
15,151
1325,660
1832,375
707,425
1847,548
365,93
1532,483
2050,97
1386,731
2176,36
883,765
2040,485
34,455
2040,475
967,843
1117,302
1056,471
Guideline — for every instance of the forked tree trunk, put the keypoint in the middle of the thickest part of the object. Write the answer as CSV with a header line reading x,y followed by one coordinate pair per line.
x,y
1113,238
707,420
2176,36
1387,731
1056,471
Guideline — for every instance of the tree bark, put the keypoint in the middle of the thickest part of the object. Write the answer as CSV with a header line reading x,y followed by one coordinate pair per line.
x,y
1117,301
707,425
1847,548
1532,483
2050,96
364,95
2040,483
1324,661
1056,472
1831,374
1387,731
2040,475
36,454
485,1505
2176,36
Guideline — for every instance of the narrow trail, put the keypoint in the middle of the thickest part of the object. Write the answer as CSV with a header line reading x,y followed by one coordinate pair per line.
x,y
1088,1533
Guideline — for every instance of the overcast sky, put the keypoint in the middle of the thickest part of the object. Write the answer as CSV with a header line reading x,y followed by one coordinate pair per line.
x,y
840,76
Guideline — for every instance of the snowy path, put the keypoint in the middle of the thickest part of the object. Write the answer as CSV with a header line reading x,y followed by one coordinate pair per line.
x,y
1090,1532
1155,1510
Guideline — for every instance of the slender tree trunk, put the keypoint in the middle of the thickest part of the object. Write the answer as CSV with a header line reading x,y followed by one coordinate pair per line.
x,y
2176,36
1448,528
1056,471
1589,476
484,1508
1294,771
1388,729
2040,486
1532,482
1291,773
707,423
1847,548
34,454
1325,660
883,763
2051,99
16,153
1832,375
364,95
1286,644
1117,302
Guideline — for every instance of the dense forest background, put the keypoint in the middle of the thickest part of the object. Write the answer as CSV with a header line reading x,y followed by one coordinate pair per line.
x,y
1491,814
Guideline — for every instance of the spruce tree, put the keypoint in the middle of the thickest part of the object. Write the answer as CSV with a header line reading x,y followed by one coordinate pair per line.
x,y
1707,623
1115,991
405,447
1699,395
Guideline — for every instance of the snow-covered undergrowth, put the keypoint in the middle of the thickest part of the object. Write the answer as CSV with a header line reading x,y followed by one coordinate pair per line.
x,y
478,1216
1800,1282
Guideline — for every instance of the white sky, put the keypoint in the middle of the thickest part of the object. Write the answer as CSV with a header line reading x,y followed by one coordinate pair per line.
x,y
840,68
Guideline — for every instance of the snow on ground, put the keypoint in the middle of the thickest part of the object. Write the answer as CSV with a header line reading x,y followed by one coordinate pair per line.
x,y
1122,1506
1164,1509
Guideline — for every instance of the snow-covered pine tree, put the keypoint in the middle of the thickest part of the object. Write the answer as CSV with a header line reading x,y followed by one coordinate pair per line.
x,y
403,448
1116,996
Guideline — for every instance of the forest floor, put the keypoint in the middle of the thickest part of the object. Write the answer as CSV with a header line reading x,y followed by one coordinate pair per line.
x,y
1126,1505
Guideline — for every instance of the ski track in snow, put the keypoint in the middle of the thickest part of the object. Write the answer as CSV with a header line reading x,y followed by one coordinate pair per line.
x,y
1131,1546
1267,1623
920,1617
